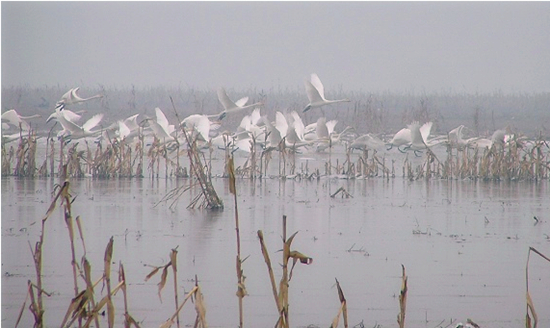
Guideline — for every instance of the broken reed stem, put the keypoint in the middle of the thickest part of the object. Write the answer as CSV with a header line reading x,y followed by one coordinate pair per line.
x,y
402,299
107,276
69,222
530,305
173,260
170,321
283,286
343,308
269,270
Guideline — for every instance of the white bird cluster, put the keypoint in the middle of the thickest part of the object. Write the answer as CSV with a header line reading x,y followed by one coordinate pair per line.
x,y
254,129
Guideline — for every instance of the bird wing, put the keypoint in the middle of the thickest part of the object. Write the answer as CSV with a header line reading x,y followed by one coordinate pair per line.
x,y
74,96
274,134
91,123
402,137
255,116
11,117
224,99
321,130
416,135
299,127
280,124
71,116
425,130
241,102
131,122
123,130
331,125
312,93
161,119
316,82
67,96
245,123
66,124
203,127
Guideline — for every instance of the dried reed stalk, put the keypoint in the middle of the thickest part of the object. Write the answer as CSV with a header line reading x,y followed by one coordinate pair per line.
x,y
281,296
241,289
402,299
128,319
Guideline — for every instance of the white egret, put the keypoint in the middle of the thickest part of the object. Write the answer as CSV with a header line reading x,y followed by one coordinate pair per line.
x,y
316,94
230,106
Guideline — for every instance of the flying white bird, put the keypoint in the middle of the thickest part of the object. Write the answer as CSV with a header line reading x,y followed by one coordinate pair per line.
x,y
161,128
316,94
404,138
73,131
12,117
71,97
366,141
200,124
230,106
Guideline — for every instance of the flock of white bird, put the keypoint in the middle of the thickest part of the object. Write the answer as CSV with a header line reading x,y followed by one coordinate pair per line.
x,y
254,128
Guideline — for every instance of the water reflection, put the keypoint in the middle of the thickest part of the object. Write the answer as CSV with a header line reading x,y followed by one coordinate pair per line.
x,y
464,244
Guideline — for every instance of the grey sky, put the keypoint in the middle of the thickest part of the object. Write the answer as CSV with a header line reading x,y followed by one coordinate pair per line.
x,y
361,46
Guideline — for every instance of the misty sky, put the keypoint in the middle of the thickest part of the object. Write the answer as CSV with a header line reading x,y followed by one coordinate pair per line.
x,y
354,46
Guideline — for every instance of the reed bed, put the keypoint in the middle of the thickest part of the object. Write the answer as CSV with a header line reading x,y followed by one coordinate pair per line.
x,y
518,160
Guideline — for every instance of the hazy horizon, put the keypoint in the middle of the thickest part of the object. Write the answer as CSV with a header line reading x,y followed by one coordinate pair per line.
x,y
353,46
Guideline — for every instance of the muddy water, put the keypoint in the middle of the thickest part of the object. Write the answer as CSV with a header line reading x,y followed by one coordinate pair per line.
x,y
464,245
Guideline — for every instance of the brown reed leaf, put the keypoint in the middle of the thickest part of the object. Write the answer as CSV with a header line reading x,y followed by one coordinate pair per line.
x,y
95,311
79,226
76,308
295,255
24,303
152,273
200,308
343,308
162,282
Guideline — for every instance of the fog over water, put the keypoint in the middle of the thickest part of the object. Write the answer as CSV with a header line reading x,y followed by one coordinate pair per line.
x,y
364,46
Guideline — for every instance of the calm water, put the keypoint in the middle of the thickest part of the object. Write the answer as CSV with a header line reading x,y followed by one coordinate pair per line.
x,y
468,262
